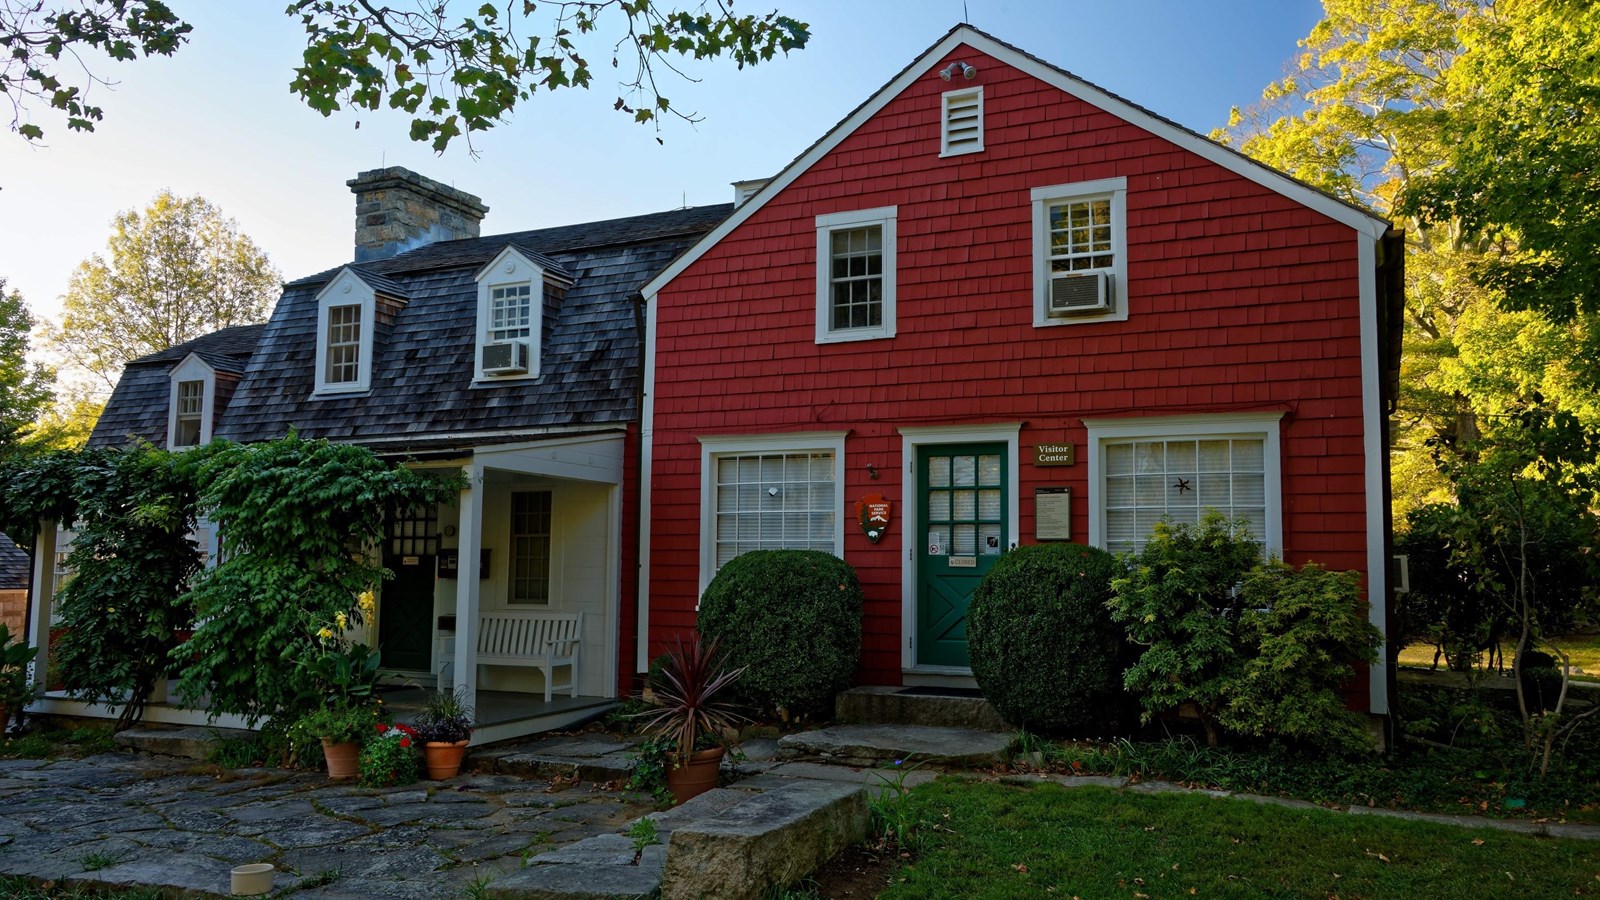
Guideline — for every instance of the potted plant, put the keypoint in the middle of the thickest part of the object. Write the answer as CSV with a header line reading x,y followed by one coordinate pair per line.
x,y
341,728
389,756
344,675
687,713
16,689
445,729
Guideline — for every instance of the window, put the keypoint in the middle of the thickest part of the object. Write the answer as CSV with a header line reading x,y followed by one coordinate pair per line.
x,y
961,128
530,547
770,493
855,275
1080,265
190,405
511,291
1143,471
344,345
345,313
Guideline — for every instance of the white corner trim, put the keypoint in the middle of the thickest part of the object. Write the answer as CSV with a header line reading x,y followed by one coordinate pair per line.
x,y
647,415
912,437
1377,458
192,368
345,289
1269,178
712,446
1114,189
883,216
1264,425
509,268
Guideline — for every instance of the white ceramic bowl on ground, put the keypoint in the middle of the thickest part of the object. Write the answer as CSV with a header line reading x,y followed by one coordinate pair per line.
x,y
252,880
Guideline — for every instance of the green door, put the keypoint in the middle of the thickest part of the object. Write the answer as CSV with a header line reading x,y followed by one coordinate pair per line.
x,y
405,613
962,503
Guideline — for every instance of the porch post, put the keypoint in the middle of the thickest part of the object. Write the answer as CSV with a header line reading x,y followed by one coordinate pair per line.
x,y
467,584
44,589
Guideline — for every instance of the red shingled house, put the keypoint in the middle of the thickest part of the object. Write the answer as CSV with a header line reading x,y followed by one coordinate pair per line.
x,y
1020,308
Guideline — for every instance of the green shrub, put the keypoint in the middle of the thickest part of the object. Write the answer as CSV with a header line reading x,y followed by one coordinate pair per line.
x,y
1044,649
792,619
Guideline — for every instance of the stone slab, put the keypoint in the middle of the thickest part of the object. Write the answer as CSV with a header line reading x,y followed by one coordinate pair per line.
x,y
870,744
576,883
887,705
1069,781
187,743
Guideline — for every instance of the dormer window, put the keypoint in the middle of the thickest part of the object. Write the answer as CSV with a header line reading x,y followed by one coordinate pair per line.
x,y
345,309
191,400
511,297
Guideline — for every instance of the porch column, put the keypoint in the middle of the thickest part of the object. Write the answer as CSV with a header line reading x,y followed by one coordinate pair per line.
x,y
467,583
44,589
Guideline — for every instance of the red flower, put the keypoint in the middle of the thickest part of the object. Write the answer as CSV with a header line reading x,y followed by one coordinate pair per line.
x,y
382,728
405,742
407,729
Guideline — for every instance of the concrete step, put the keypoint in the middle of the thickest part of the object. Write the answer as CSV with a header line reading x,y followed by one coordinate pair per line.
x,y
917,706
192,742
869,745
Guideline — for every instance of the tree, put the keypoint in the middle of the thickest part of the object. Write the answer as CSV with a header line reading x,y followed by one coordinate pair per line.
x,y
452,75
25,388
178,270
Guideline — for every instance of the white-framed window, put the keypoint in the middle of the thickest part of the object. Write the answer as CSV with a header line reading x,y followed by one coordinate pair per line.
x,y
1144,470
345,309
770,492
189,403
1080,252
510,317
961,122
530,547
856,275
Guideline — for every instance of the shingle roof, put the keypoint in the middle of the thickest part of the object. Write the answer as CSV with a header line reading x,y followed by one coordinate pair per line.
x,y
137,409
14,568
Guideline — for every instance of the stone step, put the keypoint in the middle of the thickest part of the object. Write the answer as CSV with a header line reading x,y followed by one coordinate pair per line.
x,y
192,742
605,866
917,706
772,839
868,745
589,757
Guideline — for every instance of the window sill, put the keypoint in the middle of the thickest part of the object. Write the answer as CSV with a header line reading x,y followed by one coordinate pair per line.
x,y
843,337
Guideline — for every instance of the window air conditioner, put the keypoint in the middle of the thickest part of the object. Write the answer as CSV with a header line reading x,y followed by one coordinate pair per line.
x,y
1076,293
505,358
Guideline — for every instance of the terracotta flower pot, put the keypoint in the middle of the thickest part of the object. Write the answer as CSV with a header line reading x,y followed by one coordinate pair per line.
x,y
444,760
696,776
344,760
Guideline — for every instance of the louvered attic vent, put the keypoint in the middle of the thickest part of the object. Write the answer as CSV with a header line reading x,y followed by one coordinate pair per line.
x,y
962,131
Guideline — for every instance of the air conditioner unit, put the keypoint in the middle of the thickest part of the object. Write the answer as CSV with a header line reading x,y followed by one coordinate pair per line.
x,y
505,358
1077,293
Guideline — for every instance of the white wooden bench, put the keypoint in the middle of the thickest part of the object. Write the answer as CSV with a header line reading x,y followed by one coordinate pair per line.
x,y
540,640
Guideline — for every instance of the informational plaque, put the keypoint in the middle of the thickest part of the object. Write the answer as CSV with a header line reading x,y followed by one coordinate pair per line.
x,y
1052,514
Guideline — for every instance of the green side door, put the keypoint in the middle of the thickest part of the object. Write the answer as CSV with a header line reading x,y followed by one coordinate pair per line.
x,y
963,508
405,612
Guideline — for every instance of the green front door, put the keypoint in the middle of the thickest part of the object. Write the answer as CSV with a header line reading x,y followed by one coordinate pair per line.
x,y
405,614
962,504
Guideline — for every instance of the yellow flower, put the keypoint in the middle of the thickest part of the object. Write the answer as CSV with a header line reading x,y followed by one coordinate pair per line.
x,y
368,603
325,633
340,620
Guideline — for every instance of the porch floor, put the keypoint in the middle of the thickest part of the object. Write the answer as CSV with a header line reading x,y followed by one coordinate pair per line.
x,y
500,713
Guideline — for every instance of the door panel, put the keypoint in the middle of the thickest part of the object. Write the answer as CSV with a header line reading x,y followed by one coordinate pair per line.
x,y
405,612
962,504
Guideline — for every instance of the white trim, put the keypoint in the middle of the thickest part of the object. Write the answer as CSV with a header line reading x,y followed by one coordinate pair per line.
x,y
1211,151
944,121
912,438
1377,458
712,446
193,368
509,269
647,412
1114,189
1240,425
613,623
346,289
884,217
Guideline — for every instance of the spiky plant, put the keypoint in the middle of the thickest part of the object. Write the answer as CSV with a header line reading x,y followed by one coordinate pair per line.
x,y
684,703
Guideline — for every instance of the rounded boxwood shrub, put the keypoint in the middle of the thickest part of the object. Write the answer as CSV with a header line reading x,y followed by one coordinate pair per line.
x,y
792,618
1043,646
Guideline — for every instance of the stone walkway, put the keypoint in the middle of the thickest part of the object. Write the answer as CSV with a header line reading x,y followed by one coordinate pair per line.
x,y
130,819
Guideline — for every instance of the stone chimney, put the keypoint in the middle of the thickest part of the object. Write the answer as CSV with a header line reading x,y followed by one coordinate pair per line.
x,y
398,210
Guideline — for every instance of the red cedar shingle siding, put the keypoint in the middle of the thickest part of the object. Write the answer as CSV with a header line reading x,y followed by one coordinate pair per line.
x,y
1241,299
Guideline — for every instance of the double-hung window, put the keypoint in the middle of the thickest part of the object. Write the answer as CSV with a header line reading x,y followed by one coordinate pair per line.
x,y
511,312
856,275
511,296
344,346
1177,469
1080,252
771,493
346,308
190,406
530,547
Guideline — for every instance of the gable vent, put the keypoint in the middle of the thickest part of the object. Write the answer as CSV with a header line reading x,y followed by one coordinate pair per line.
x,y
962,131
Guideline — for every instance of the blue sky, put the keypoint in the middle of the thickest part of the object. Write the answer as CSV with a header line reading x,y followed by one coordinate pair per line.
x,y
217,119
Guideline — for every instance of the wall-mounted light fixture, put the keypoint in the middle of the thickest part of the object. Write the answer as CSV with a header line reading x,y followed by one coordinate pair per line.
x,y
872,471
965,70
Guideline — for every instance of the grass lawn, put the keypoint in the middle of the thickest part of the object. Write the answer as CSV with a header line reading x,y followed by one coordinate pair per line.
x,y
1584,650
992,840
